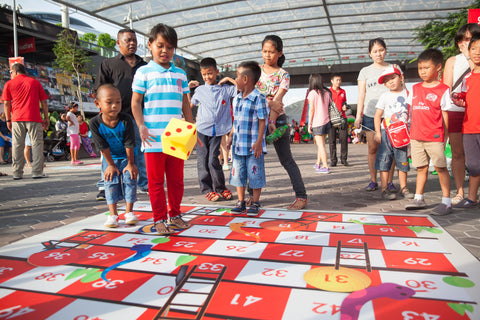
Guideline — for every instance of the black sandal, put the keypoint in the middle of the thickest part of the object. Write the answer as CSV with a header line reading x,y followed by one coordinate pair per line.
x,y
179,222
167,228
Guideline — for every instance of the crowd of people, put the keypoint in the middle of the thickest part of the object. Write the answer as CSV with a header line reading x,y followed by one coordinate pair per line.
x,y
137,100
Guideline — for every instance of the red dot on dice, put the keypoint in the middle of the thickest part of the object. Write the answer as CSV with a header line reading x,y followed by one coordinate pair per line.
x,y
168,133
189,126
173,148
179,130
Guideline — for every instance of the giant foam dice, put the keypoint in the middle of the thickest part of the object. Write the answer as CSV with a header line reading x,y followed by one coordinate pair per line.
x,y
179,138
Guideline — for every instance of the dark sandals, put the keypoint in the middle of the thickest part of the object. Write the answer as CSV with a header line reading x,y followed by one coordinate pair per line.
x,y
163,228
179,222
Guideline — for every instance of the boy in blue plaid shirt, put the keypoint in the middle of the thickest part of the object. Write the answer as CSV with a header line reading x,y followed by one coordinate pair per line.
x,y
250,112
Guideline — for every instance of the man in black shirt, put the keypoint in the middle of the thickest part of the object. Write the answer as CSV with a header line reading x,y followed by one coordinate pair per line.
x,y
119,71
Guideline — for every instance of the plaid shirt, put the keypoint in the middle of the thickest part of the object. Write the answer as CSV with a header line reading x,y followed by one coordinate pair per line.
x,y
246,112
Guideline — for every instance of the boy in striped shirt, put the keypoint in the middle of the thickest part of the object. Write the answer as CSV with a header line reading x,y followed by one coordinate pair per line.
x,y
164,90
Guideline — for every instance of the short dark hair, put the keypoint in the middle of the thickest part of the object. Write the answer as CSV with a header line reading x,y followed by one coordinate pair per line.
x,y
475,37
104,87
125,30
208,63
433,55
166,32
253,70
19,68
334,75
72,105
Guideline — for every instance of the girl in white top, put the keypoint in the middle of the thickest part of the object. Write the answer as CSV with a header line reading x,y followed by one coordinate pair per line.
x,y
455,68
369,91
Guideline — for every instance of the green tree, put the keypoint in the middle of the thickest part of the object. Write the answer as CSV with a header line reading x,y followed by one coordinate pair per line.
x,y
105,40
89,37
440,33
71,59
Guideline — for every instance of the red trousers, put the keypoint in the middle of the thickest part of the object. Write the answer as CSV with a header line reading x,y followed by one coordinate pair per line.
x,y
160,166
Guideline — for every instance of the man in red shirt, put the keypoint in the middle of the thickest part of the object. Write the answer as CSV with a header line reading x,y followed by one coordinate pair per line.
x,y
340,99
22,96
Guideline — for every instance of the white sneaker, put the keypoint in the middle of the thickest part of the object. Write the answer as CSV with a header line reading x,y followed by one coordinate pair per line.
x,y
130,218
112,221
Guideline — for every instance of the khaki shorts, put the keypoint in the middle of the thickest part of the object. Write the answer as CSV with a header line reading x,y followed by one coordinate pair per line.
x,y
424,151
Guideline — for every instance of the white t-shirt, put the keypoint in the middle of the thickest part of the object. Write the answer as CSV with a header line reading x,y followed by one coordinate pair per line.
x,y
394,106
373,90
72,129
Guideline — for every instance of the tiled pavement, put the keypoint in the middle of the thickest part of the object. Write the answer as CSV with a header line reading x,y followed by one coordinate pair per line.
x,y
29,207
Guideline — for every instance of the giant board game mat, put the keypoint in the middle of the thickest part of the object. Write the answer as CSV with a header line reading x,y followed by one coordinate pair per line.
x,y
278,265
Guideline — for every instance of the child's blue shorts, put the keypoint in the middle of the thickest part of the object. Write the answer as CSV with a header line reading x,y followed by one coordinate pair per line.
x,y
248,167
387,153
121,187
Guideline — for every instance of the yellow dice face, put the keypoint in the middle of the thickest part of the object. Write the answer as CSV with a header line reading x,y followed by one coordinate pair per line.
x,y
179,138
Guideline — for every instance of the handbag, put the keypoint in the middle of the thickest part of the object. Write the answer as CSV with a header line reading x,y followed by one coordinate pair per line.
x,y
398,134
335,116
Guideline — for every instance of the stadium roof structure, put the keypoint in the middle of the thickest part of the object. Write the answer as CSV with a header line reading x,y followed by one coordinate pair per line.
x,y
314,32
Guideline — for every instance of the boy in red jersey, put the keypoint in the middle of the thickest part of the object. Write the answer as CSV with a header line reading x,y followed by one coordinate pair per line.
x,y
428,101
471,125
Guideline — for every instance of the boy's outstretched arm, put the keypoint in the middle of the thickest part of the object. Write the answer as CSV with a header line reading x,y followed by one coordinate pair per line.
x,y
227,79
378,122
187,113
257,146
137,111
111,170
131,167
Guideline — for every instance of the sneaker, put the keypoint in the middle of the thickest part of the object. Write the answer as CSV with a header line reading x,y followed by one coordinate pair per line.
x,y
441,210
372,186
142,190
239,208
101,196
457,199
226,167
322,170
346,164
392,188
43,175
465,204
316,166
130,218
17,178
112,221
416,204
388,195
253,209
406,193
333,163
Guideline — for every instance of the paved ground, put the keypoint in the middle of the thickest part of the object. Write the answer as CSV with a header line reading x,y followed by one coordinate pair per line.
x,y
29,207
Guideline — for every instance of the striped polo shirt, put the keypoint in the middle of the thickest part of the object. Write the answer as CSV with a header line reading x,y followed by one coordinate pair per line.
x,y
163,91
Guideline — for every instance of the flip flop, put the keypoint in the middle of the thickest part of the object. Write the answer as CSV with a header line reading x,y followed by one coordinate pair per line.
x,y
212,196
179,222
167,228
227,194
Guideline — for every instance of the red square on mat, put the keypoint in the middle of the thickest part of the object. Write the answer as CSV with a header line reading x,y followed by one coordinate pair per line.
x,y
213,220
327,217
415,309
12,268
409,221
254,234
387,230
122,283
215,264
356,240
96,237
105,256
417,261
185,244
29,305
290,252
249,301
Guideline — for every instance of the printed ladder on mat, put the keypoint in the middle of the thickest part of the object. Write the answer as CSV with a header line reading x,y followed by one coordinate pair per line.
x,y
278,265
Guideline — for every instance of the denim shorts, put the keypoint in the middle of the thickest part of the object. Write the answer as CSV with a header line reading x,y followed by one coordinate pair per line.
x,y
322,130
121,187
248,167
368,122
387,153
